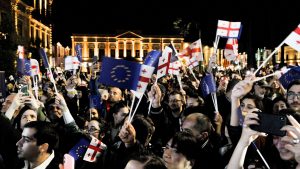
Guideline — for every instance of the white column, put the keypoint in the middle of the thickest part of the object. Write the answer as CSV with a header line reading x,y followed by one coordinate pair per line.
x,y
117,49
96,49
124,54
133,49
141,49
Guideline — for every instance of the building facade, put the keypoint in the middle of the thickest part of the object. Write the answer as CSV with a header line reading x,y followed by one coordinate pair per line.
x,y
124,45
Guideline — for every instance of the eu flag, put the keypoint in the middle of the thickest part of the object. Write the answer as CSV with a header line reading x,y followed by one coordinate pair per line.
x,y
44,57
119,73
79,149
208,84
290,76
78,52
23,67
152,58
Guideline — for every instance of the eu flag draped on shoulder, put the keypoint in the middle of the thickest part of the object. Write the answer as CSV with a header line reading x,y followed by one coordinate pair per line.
x,y
120,73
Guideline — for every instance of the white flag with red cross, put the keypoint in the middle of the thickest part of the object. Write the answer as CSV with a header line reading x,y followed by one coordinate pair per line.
x,y
71,63
231,49
164,62
144,79
94,150
293,39
193,50
34,67
228,29
174,68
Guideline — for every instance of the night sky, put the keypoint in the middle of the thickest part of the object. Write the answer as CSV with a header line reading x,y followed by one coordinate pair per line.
x,y
265,23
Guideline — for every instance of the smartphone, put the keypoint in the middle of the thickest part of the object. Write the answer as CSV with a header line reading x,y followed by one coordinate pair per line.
x,y
69,162
270,124
24,90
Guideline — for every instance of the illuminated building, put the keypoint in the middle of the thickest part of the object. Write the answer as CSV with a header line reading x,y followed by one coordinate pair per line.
x,y
29,18
124,45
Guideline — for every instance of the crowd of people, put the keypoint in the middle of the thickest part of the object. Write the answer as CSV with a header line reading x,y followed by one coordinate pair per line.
x,y
181,130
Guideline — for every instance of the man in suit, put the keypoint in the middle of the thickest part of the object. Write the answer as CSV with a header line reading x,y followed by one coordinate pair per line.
x,y
37,145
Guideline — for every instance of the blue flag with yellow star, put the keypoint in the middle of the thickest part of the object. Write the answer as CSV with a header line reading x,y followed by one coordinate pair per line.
x,y
152,58
79,149
23,67
119,73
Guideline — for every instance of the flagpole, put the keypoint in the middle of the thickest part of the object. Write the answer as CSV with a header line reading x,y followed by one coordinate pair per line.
x,y
268,58
131,107
135,109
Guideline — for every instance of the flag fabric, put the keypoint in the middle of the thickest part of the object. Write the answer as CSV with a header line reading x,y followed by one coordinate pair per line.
x,y
145,76
23,67
193,50
231,49
164,62
193,63
228,29
291,75
293,39
174,68
44,57
21,52
71,63
152,58
119,73
174,56
78,51
78,151
208,84
34,66
95,101
95,148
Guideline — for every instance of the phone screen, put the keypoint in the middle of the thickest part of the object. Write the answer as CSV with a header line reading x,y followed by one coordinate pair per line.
x,y
24,89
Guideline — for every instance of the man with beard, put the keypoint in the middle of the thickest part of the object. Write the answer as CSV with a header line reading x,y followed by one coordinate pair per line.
x,y
293,96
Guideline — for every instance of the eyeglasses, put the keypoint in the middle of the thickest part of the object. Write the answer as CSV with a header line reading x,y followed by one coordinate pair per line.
x,y
292,95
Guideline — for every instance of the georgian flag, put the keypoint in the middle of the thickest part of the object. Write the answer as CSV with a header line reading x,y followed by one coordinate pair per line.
x,y
231,49
94,150
192,63
145,75
193,50
228,29
71,63
174,68
34,66
163,63
293,39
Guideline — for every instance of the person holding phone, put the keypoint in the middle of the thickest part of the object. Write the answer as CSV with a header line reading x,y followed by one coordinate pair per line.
x,y
286,150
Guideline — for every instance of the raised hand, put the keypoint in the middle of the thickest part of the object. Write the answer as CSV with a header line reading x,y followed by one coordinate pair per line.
x,y
128,134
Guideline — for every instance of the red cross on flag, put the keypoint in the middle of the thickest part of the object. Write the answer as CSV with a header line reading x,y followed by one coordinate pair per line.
x,y
95,148
228,29
175,68
34,66
193,63
145,75
193,50
231,49
71,63
163,63
293,39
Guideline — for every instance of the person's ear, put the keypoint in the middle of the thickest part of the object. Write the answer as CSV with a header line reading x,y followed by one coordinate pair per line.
x,y
44,147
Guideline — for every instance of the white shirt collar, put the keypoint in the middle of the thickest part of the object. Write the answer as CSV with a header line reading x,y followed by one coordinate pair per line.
x,y
43,165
